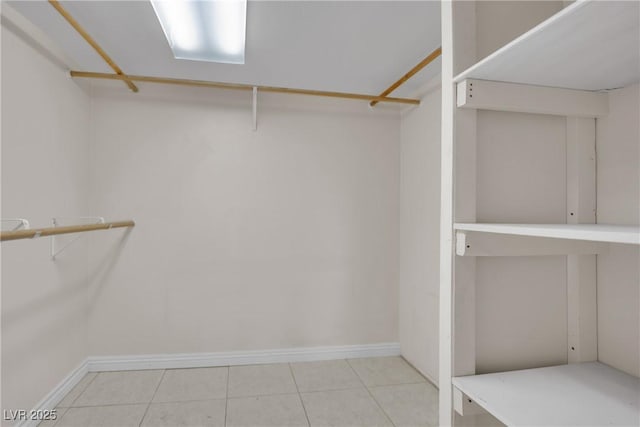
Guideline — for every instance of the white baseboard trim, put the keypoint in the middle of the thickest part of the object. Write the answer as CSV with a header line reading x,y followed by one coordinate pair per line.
x,y
202,360
55,396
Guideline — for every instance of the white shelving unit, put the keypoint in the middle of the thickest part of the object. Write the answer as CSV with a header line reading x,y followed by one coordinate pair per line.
x,y
555,68
579,394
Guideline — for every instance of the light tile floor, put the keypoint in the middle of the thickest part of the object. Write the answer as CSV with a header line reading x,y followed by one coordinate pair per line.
x,y
383,391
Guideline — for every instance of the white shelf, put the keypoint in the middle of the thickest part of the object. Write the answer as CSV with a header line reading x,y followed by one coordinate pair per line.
x,y
589,45
592,232
581,394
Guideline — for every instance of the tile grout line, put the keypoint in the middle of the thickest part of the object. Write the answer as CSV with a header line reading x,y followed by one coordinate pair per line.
x,y
371,395
380,406
243,397
332,389
356,372
299,395
226,396
58,416
264,395
399,384
107,405
426,383
146,411
422,381
83,390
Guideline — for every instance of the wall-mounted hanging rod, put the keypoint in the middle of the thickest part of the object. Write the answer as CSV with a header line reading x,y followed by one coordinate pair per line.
x,y
235,86
53,231
426,61
66,15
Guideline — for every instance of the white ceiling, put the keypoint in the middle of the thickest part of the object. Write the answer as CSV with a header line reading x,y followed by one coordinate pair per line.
x,y
349,46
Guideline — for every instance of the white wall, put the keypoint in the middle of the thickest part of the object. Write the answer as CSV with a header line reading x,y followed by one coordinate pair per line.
x,y
45,131
420,234
521,302
284,237
501,21
618,192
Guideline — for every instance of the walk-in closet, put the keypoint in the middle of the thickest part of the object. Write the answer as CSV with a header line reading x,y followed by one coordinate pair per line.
x,y
265,213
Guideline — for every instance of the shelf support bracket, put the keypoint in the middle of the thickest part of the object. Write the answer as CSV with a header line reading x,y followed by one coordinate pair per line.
x,y
463,405
520,98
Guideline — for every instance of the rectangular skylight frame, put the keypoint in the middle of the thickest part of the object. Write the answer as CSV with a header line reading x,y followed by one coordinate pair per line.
x,y
204,30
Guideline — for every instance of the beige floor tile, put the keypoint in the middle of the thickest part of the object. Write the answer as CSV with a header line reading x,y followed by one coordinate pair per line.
x,y
180,385
50,423
203,413
257,380
409,405
281,410
77,390
114,388
103,416
343,408
375,371
326,375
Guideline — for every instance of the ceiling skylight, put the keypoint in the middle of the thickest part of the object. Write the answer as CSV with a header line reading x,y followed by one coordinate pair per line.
x,y
204,30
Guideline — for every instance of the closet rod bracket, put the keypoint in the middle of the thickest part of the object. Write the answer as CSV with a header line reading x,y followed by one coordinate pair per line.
x,y
255,108
21,223
54,252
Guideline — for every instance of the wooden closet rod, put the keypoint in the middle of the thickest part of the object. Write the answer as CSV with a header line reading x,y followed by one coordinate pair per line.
x,y
53,231
202,83
66,15
426,61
